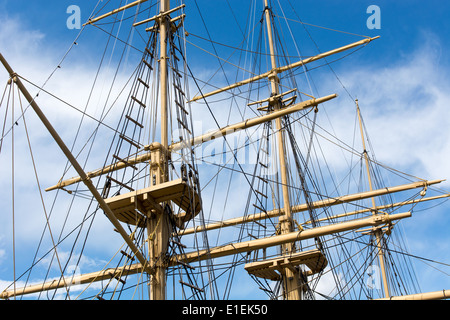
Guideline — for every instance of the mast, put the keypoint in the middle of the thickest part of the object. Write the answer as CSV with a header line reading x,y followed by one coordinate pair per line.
x,y
165,6
158,224
377,231
291,276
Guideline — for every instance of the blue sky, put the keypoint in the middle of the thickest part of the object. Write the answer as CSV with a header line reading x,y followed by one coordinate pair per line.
x,y
405,96
402,21
405,25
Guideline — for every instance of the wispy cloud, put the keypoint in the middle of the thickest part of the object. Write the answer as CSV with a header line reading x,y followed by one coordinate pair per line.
x,y
405,106
32,57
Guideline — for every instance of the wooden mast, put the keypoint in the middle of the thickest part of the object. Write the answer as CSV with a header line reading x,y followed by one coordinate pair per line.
x,y
158,223
164,28
291,277
377,231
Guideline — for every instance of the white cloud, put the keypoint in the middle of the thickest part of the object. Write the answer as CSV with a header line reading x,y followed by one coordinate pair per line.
x,y
19,42
406,110
2,255
31,56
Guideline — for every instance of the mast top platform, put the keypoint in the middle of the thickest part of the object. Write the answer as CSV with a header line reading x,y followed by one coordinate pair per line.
x,y
133,207
268,269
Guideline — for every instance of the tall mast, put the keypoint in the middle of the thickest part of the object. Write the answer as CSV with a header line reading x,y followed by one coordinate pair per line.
x,y
165,6
291,277
377,231
158,224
